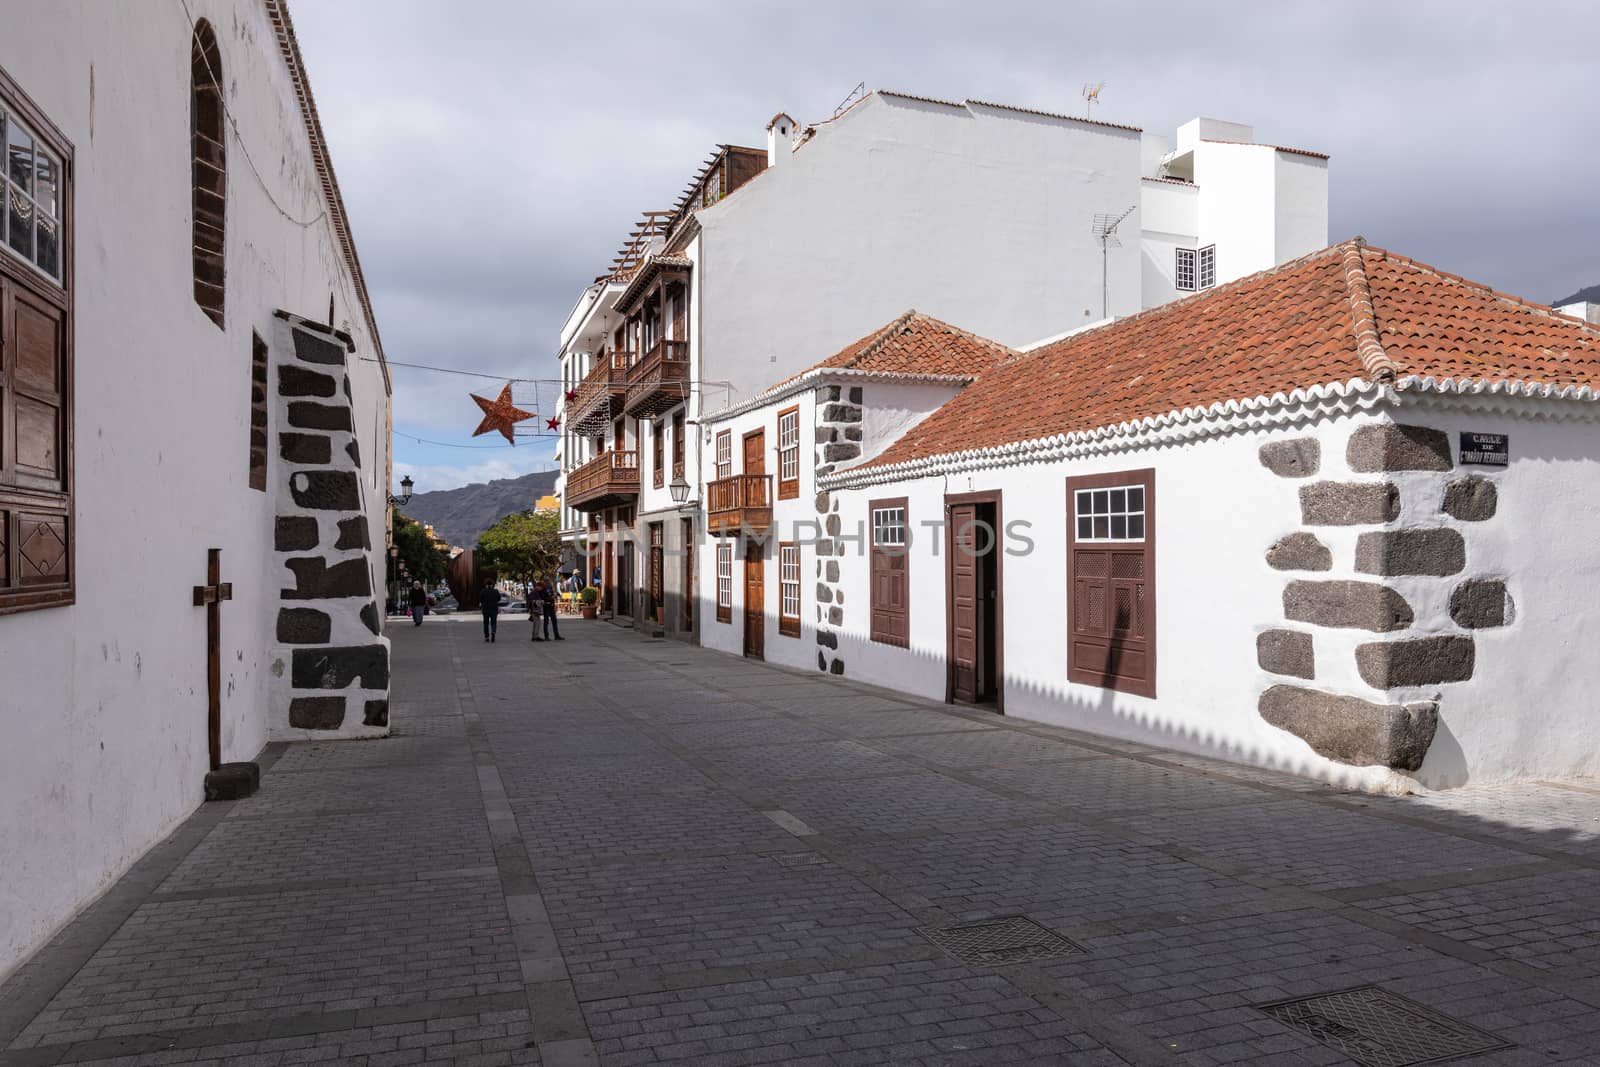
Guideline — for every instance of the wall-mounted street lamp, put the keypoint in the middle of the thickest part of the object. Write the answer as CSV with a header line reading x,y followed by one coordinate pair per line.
x,y
679,489
405,492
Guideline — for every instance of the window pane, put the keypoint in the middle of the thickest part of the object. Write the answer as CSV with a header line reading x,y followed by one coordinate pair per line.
x,y
48,254
1119,500
19,156
1083,503
1136,498
20,212
47,181
1102,501
1101,527
1085,527
1119,526
1136,527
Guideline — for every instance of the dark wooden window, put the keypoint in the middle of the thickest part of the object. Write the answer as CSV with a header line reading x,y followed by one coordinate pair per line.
x,y
789,589
37,563
1111,581
725,454
258,412
678,444
657,572
789,453
724,581
658,463
890,588
687,599
209,139
677,312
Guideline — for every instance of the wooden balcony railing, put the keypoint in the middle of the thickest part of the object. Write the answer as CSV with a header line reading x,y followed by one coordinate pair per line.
x,y
742,502
609,479
658,381
600,394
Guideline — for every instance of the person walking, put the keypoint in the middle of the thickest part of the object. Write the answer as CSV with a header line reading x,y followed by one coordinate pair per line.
x,y
417,601
536,608
489,604
549,605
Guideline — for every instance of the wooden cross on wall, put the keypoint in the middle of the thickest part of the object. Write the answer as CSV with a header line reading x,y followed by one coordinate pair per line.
x,y
210,596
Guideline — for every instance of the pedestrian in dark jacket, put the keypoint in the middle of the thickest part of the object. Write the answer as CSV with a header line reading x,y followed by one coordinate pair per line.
x,y
549,606
417,601
536,608
489,604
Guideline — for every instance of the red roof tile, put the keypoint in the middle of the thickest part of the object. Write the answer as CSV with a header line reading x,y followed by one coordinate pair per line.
x,y
916,343
1350,311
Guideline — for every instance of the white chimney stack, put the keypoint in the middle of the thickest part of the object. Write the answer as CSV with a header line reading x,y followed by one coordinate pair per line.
x,y
780,137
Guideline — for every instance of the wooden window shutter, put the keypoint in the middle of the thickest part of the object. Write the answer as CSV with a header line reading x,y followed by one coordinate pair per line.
x,y
1111,586
208,134
890,572
258,412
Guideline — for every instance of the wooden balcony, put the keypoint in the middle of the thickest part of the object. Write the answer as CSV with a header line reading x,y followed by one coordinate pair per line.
x,y
609,479
742,502
658,381
600,394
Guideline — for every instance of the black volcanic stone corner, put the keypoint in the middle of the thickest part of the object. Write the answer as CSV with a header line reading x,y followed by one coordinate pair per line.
x,y
316,713
353,452
353,533
295,533
336,668
303,626
297,381
311,416
315,349
376,713
369,615
311,449
326,490
315,580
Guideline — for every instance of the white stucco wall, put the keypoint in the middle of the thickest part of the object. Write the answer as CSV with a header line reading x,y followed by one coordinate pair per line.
x,y
1170,213
978,217
1236,210
1300,205
103,706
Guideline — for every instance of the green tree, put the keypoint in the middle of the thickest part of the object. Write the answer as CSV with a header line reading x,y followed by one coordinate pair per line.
x,y
522,547
423,558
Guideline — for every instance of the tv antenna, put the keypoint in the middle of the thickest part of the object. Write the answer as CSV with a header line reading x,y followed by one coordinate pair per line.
x,y
1105,228
1091,97
855,94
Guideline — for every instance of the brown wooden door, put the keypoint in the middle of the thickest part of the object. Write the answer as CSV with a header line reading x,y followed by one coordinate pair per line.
x,y
966,617
755,452
755,615
609,575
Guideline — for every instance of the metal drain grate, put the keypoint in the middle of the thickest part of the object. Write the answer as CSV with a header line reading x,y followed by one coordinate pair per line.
x,y
1010,940
1381,1029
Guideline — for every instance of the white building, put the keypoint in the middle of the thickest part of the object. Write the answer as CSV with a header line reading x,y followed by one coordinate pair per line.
x,y
188,363
998,218
1332,518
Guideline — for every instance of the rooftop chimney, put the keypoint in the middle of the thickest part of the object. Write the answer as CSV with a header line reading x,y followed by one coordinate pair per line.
x,y
780,137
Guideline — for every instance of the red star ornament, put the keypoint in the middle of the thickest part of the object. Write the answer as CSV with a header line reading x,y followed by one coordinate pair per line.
x,y
553,424
572,394
500,414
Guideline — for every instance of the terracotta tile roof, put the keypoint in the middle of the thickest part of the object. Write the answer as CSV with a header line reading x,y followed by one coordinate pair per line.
x,y
1348,312
916,343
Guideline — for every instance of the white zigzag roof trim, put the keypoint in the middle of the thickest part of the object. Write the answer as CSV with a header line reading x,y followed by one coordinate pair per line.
x,y
1225,416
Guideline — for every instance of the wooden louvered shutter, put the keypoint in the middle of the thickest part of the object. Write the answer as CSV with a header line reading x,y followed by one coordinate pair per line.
x,y
1111,581
891,594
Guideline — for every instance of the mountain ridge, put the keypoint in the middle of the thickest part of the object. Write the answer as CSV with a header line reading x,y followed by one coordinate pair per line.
x,y
459,515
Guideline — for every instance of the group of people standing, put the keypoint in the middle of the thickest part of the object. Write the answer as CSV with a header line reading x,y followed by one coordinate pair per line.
x,y
542,598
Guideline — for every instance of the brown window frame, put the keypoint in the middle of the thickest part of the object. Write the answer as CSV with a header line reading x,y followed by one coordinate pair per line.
x,y
725,574
1081,643
788,624
880,613
724,455
678,444
658,454
38,500
789,488
208,142
258,413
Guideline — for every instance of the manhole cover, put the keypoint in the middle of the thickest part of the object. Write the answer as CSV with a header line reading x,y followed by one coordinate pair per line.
x,y
1381,1029
1010,940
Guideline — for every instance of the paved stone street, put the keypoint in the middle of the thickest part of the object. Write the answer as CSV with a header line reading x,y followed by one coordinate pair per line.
x,y
622,851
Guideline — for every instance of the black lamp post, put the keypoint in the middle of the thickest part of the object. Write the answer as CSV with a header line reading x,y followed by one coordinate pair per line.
x,y
404,498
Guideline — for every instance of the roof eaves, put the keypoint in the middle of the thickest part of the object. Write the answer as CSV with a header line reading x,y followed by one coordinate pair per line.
x,y
1274,147
824,375
967,105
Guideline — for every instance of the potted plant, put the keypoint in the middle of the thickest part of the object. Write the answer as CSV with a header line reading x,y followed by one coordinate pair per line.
x,y
589,599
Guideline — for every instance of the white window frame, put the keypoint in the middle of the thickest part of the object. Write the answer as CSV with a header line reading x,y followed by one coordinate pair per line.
x,y
9,190
1185,269
789,581
789,446
725,575
1093,506
889,527
724,454
1206,267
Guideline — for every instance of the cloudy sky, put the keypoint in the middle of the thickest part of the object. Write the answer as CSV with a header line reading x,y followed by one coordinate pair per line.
x,y
493,154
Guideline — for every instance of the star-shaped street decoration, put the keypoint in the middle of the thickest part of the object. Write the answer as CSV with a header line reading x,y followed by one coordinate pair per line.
x,y
500,414
553,424
572,394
